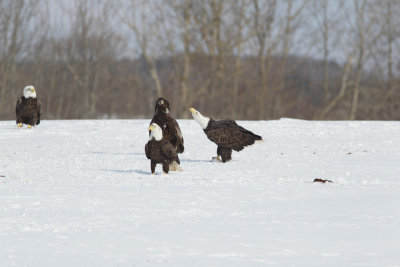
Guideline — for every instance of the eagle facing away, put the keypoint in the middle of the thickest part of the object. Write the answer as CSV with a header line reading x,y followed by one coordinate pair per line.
x,y
227,134
169,125
28,108
159,150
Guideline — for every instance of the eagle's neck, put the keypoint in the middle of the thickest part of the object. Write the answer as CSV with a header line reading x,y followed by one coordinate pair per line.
x,y
163,111
29,95
156,135
202,120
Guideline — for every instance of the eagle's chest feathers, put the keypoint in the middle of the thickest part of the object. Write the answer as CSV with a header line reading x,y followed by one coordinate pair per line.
x,y
28,104
162,119
156,149
29,100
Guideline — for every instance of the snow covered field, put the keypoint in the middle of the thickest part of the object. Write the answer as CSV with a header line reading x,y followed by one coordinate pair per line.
x,y
80,193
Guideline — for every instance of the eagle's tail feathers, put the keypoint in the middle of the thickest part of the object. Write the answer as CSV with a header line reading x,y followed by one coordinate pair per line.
x,y
174,166
180,148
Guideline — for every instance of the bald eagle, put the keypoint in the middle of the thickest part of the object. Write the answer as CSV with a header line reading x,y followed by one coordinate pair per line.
x,y
227,134
169,126
160,150
28,109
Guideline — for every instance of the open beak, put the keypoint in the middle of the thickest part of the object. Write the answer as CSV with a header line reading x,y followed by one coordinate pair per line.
x,y
192,110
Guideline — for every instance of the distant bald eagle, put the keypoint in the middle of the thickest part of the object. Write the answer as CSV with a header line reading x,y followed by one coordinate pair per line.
x,y
28,109
169,126
227,134
160,150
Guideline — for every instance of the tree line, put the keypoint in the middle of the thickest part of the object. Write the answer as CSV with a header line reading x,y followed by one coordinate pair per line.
x,y
244,59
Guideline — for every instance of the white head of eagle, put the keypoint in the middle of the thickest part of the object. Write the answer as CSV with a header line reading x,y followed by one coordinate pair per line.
x,y
155,132
29,91
203,121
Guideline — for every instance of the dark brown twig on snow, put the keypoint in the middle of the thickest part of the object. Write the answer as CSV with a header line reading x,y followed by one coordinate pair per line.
x,y
319,180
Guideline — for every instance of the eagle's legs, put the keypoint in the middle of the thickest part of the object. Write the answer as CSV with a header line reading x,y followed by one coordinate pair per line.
x,y
171,167
174,166
227,157
165,167
217,158
153,166
225,153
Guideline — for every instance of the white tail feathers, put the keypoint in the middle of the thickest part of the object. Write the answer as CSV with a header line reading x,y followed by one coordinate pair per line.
x,y
257,141
174,166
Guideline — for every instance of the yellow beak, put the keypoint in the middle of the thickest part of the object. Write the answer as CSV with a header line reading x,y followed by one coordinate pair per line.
x,y
192,110
151,128
33,90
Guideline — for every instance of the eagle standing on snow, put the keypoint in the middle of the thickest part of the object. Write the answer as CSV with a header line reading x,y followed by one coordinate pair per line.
x,y
28,109
159,150
227,134
169,126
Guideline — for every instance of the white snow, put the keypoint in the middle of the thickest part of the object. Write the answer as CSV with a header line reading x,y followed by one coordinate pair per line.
x,y
80,193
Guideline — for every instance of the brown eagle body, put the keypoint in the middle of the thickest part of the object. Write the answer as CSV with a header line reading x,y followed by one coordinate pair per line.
x,y
169,125
228,136
28,111
161,152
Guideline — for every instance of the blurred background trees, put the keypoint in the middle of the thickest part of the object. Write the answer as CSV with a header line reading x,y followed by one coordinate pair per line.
x,y
245,59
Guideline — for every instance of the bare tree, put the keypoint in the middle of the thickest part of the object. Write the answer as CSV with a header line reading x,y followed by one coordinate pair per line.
x,y
289,24
239,36
17,25
361,28
181,61
249,59
263,22
344,84
136,16
87,52
324,21
391,36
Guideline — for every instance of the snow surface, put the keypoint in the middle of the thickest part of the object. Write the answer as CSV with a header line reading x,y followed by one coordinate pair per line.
x,y
80,193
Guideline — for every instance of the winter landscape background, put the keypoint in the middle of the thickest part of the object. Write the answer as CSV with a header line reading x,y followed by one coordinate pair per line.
x,y
80,193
